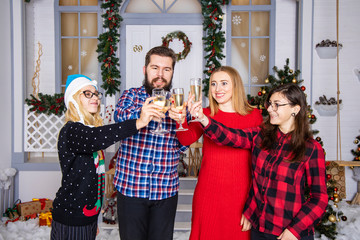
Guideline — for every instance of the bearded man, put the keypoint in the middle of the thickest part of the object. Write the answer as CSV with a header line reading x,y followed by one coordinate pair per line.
x,y
146,176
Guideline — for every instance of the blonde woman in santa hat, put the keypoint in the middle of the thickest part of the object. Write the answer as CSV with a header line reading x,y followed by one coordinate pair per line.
x,y
78,201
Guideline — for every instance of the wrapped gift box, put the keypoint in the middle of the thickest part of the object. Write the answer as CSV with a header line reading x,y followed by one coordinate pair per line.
x,y
11,213
34,207
45,219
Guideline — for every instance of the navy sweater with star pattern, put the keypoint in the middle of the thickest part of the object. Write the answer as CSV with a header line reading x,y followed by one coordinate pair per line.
x,y
79,184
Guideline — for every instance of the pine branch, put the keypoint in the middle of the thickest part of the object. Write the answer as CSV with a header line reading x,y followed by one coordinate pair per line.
x,y
107,47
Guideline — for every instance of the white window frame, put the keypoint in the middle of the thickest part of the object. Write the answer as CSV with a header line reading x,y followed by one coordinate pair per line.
x,y
248,85
72,9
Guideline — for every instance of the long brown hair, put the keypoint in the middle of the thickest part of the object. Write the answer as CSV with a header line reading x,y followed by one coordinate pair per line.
x,y
239,100
92,119
301,132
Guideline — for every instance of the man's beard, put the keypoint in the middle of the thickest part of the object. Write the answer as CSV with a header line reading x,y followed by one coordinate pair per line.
x,y
149,85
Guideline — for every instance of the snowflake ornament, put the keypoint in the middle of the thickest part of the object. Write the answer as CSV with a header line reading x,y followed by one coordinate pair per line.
x,y
254,79
236,20
257,29
243,44
83,53
84,31
70,67
262,58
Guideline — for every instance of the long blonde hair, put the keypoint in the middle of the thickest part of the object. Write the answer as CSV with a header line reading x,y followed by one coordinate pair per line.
x,y
93,119
239,100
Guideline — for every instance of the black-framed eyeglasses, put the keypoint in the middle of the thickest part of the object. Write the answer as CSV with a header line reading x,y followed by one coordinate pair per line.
x,y
89,94
275,106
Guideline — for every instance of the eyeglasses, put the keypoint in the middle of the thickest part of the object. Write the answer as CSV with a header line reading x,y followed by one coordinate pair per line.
x,y
89,94
275,106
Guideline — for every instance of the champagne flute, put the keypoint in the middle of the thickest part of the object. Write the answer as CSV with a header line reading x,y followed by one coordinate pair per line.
x,y
160,100
178,95
195,88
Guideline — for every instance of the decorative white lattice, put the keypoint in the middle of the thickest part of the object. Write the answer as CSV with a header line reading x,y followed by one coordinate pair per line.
x,y
41,131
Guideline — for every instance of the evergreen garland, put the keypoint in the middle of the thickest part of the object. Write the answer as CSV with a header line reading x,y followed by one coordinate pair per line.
x,y
47,104
214,39
107,47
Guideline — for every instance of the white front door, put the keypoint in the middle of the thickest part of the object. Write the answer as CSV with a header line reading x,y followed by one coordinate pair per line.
x,y
141,38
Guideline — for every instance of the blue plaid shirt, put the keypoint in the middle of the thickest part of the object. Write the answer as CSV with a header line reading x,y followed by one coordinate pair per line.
x,y
146,166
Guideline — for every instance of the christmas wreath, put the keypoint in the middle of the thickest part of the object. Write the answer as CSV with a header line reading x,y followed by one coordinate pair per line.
x,y
182,37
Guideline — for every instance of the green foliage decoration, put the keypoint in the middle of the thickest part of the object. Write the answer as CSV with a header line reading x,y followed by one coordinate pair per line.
x,y
214,40
47,104
108,45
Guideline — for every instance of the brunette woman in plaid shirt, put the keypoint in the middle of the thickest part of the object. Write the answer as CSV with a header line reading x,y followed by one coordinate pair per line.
x,y
284,158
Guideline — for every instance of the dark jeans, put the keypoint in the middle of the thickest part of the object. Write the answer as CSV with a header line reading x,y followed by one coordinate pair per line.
x,y
256,235
144,219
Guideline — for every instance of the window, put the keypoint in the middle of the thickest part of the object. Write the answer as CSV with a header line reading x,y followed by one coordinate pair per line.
x,y
79,22
163,6
250,42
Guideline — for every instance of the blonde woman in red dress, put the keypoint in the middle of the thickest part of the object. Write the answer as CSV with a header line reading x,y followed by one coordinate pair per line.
x,y
225,176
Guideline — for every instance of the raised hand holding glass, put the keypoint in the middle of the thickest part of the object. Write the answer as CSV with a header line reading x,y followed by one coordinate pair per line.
x,y
195,88
162,97
178,96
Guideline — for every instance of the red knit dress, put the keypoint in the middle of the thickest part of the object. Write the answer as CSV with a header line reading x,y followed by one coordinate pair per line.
x,y
223,182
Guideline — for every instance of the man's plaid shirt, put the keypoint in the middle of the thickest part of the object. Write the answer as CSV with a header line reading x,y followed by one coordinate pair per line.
x,y
276,199
146,166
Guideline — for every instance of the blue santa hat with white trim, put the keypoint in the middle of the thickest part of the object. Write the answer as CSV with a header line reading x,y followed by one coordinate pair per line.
x,y
73,84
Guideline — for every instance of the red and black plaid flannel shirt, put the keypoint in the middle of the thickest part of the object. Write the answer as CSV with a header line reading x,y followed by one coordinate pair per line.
x,y
276,199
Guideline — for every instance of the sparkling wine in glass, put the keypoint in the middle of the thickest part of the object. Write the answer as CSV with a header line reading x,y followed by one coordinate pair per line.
x,y
195,89
167,102
160,100
178,96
